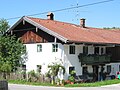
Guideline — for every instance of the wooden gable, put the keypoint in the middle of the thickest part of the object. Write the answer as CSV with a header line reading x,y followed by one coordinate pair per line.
x,y
31,37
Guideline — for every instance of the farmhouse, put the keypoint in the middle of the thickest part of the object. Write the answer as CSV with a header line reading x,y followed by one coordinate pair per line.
x,y
76,47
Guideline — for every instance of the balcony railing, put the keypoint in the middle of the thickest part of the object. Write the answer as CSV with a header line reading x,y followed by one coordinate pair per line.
x,y
94,59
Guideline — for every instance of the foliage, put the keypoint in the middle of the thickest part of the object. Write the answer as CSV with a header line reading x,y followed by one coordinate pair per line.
x,y
54,70
3,26
6,68
63,82
32,73
73,72
11,50
32,76
95,84
71,78
29,83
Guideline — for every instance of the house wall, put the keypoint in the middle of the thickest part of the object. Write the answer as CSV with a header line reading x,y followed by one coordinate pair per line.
x,y
115,67
46,57
71,60
42,58
114,51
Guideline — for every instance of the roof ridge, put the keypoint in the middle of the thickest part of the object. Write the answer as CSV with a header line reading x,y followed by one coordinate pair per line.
x,y
54,21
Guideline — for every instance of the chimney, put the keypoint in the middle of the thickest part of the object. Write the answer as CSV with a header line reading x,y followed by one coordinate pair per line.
x,y
50,16
82,23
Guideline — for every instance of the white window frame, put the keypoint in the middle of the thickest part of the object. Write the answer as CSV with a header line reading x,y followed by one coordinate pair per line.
x,y
54,47
39,47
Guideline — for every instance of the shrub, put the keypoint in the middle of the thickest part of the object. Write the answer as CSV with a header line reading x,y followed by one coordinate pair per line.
x,y
71,78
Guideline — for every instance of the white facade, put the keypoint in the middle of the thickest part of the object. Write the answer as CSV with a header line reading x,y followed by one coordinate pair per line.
x,y
115,67
47,56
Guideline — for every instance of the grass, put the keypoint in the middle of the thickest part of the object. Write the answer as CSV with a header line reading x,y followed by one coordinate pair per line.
x,y
29,83
95,84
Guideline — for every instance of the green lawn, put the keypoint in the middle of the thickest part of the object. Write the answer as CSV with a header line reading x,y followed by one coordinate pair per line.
x,y
29,83
95,84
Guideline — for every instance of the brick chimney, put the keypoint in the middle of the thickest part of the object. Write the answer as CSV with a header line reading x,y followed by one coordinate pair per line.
x,y
82,23
50,16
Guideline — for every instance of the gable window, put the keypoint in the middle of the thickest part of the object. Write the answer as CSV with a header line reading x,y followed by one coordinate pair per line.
x,y
72,49
85,50
54,47
39,48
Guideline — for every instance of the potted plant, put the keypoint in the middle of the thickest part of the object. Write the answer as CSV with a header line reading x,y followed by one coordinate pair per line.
x,y
72,73
72,79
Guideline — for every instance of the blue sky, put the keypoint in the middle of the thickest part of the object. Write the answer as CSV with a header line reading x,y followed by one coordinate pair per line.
x,y
100,15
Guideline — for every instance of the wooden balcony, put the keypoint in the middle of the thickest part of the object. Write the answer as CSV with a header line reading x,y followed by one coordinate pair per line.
x,y
93,59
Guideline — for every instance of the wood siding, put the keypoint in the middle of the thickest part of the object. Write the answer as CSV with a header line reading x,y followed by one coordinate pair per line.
x,y
115,53
31,37
27,34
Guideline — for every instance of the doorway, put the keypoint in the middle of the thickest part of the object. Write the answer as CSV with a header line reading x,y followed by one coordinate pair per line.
x,y
95,72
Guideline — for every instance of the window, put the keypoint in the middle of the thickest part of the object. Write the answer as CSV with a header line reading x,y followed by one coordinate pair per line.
x,y
96,51
54,47
71,69
39,67
23,67
72,49
85,71
85,50
39,48
119,67
108,68
102,50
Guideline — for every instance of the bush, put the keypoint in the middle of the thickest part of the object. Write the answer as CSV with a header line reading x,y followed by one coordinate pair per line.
x,y
71,78
32,73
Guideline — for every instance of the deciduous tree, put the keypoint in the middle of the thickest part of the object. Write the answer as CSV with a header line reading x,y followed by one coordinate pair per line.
x,y
11,50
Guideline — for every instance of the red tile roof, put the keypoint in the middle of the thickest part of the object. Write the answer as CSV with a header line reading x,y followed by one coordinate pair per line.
x,y
75,33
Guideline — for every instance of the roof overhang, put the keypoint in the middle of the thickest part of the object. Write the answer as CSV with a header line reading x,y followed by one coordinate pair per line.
x,y
52,33
24,18
94,43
